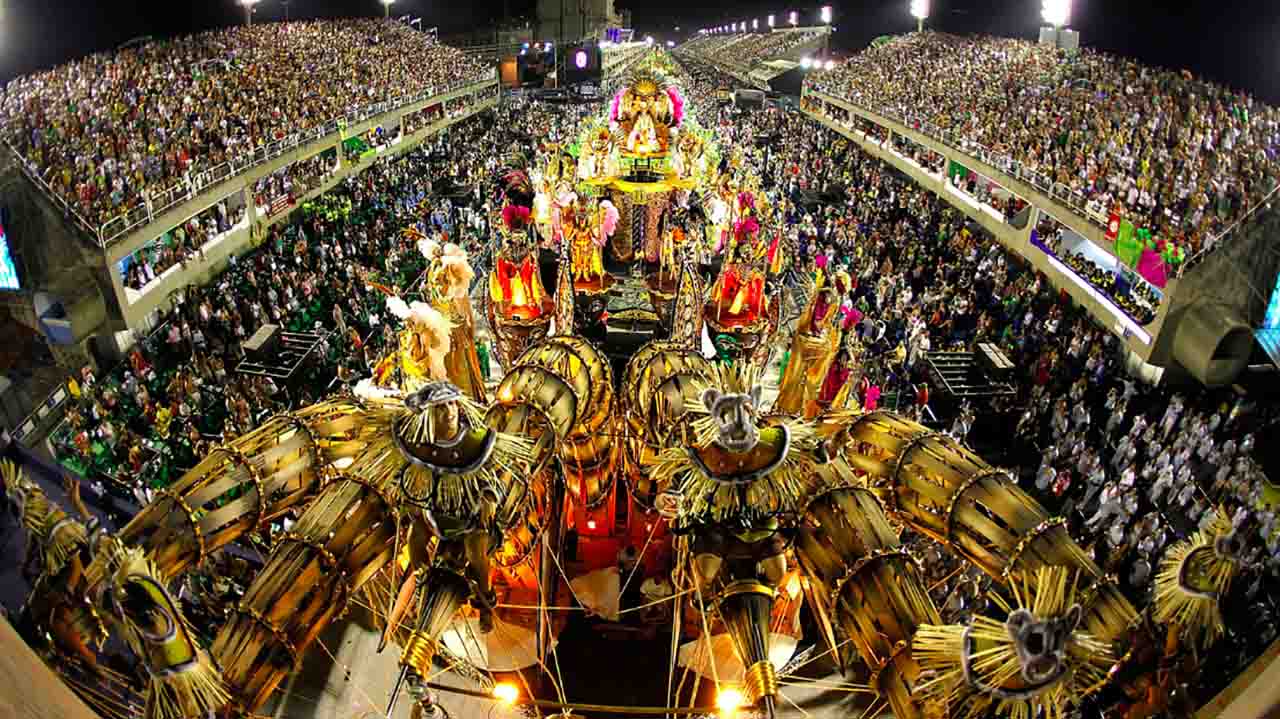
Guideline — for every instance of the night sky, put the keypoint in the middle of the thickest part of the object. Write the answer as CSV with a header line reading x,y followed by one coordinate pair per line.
x,y
1231,41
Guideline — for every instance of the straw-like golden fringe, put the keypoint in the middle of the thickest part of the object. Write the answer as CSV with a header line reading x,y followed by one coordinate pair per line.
x,y
184,683
1193,575
383,464
57,534
784,488
994,673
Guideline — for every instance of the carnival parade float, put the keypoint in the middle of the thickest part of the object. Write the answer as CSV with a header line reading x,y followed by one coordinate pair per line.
x,y
447,511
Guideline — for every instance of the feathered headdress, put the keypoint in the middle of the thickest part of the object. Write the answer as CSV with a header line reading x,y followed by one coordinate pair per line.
x,y
429,248
517,188
515,217
613,106
455,273
746,228
608,219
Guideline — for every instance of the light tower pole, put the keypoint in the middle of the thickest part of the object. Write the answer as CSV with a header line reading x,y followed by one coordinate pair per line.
x,y
1056,12
386,8
920,11
825,15
248,10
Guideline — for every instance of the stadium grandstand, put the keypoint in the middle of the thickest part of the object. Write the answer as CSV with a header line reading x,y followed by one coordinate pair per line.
x,y
114,133
347,373
1181,156
756,57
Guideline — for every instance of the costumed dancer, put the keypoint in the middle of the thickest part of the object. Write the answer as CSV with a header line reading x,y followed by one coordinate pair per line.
x,y
739,292
813,349
423,345
514,282
449,285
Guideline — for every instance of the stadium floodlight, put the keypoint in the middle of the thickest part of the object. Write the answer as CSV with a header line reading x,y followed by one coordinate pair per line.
x,y
831,65
920,11
1056,12
671,43
806,62
386,8
795,18
648,40
770,22
825,14
755,23
248,10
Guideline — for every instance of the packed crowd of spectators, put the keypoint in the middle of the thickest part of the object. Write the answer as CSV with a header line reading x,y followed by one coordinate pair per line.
x,y
294,180
178,246
134,429
1181,156
1133,467
109,130
1127,290
758,47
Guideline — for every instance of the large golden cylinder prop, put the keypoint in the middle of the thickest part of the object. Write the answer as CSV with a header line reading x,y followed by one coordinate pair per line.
x,y
588,454
239,487
345,536
939,488
660,382
745,606
872,587
534,401
513,335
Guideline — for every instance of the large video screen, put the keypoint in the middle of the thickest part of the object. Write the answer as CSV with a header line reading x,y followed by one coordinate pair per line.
x,y
1272,320
8,270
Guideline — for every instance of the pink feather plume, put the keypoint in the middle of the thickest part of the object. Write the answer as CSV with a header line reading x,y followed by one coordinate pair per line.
x,y
677,105
515,217
608,223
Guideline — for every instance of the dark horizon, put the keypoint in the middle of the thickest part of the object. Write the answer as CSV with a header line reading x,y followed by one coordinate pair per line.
x,y
1235,52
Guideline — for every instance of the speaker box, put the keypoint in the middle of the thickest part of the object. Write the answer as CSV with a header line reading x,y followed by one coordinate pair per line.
x,y
263,344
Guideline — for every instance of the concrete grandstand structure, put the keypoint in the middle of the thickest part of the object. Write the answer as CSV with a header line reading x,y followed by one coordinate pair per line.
x,y
1205,316
92,292
756,58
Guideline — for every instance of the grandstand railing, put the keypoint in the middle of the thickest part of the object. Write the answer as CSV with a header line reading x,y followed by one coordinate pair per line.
x,y
33,173
193,183
1081,204
1091,210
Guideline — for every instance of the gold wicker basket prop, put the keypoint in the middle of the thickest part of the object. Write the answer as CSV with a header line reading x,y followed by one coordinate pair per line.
x,y
939,488
869,586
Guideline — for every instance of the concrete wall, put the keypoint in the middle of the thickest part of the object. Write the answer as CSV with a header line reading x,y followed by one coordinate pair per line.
x,y
55,263
31,690
1013,239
